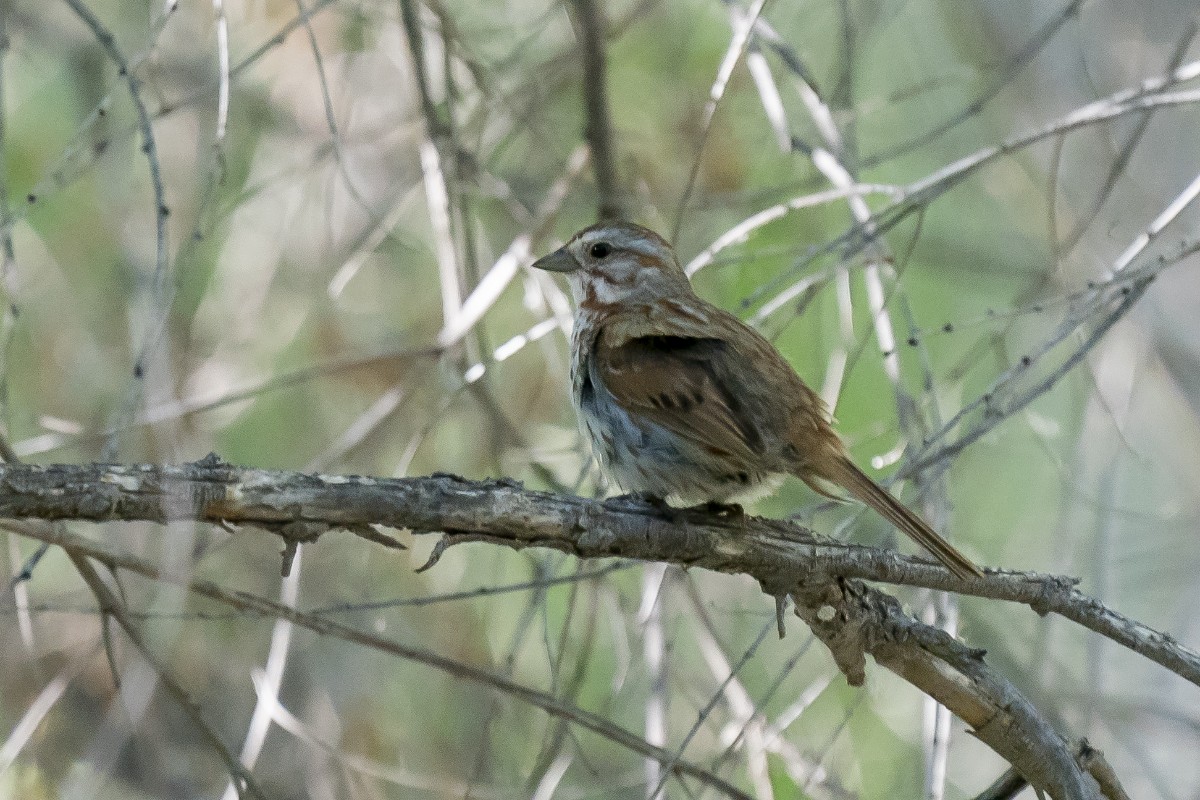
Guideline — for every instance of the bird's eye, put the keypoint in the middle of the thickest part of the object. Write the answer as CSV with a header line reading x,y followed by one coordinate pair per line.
x,y
600,250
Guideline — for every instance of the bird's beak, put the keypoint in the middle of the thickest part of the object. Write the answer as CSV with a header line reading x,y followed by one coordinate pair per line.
x,y
560,260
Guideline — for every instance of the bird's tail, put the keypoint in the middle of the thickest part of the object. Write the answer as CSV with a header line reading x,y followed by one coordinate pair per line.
x,y
842,471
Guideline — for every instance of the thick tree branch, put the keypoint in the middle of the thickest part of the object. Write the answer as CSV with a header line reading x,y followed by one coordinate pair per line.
x,y
850,617
300,507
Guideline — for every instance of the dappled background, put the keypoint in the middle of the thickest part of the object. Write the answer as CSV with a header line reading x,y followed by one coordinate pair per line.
x,y
946,215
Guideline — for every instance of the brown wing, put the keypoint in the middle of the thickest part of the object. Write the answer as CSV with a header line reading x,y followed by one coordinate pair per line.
x,y
676,382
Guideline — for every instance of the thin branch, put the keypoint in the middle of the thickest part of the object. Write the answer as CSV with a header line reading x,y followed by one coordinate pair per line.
x,y
1018,62
160,287
222,75
113,607
270,683
918,195
493,283
180,409
9,284
1087,316
38,709
335,136
589,27
834,161
741,232
744,714
243,601
743,24
846,620
654,655
1124,155
434,151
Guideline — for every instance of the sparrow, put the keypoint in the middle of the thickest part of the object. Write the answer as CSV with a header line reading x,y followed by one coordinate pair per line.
x,y
681,399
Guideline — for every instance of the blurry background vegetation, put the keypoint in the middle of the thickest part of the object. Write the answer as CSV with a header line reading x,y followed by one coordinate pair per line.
x,y
306,283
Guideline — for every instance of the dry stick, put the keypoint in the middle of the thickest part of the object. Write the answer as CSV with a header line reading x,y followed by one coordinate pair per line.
x,y
835,162
920,194
589,29
654,585
436,148
335,135
997,409
571,688
160,288
78,546
752,734
8,319
9,284
276,660
110,606
800,765
743,24
1022,58
1116,169
180,409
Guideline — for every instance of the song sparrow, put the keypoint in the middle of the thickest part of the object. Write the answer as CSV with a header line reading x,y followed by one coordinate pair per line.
x,y
682,399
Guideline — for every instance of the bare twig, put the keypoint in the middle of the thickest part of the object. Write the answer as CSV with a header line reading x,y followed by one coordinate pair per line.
x,y
743,24
434,152
1117,168
335,137
1032,48
222,74
654,654
113,607
918,195
160,287
82,547
271,682
848,620
38,709
1094,311
589,26
199,405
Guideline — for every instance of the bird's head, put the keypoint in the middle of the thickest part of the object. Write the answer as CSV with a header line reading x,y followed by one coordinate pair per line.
x,y
612,262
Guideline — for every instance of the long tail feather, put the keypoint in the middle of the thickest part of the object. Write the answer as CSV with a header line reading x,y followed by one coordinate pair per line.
x,y
846,474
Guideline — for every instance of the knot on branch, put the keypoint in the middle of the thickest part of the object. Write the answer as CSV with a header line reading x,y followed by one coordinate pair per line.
x,y
834,612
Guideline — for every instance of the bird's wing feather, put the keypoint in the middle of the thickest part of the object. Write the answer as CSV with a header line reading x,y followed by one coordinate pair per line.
x,y
679,381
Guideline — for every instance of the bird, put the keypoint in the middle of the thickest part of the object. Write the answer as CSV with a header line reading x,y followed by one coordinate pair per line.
x,y
681,399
